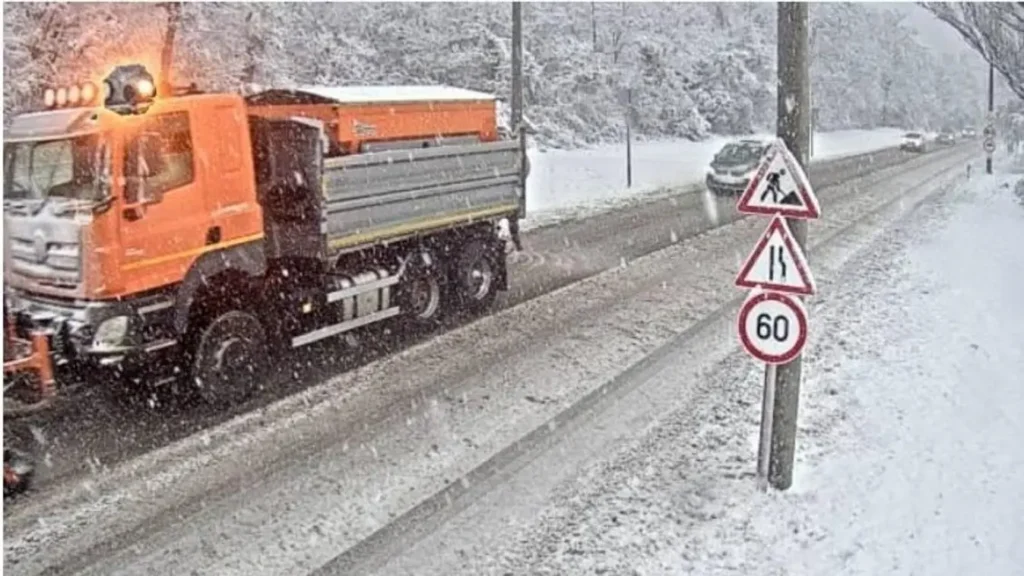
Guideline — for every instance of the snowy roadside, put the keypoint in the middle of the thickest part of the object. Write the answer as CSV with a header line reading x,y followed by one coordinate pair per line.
x,y
340,495
568,184
910,461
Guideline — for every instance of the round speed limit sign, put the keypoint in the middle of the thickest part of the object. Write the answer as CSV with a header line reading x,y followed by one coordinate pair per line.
x,y
773,327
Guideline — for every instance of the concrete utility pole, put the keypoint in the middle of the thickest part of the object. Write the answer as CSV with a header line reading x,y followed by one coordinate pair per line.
x,y
991,107
794,114
517,94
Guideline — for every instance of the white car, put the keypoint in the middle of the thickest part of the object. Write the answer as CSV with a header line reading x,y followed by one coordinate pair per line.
x,y
734,165
913,142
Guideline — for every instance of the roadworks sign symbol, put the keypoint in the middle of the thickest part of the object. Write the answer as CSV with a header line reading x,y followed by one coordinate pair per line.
x,y
779,186
777,263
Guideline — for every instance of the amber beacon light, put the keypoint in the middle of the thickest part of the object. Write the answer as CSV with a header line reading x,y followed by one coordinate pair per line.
x,y
129,88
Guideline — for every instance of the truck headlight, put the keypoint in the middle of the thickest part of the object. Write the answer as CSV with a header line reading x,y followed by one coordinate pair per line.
x,y
111,332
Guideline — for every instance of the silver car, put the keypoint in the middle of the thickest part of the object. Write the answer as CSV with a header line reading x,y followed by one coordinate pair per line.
x,y
734,165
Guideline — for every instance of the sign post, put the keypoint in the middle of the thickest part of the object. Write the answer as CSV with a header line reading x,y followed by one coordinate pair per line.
x,y
772,322
764,442
990,131
989,144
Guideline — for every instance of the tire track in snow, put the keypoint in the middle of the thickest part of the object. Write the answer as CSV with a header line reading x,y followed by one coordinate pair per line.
x,y
417,380
373,552
95,429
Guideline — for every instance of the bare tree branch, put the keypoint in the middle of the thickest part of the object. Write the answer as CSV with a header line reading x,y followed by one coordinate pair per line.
x,y
995,30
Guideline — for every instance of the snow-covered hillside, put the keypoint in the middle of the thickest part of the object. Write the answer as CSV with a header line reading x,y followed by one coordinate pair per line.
x,y
694,69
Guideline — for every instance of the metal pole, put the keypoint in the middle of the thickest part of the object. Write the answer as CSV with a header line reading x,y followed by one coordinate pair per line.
x,y
793,127
764,446
165,81
593,25
991,106
629,138
517,95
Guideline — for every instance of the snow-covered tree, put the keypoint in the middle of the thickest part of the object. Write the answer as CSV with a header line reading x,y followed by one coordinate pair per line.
x,y
693,69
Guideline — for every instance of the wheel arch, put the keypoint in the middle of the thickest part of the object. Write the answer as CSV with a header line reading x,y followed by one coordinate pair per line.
x,y
239,267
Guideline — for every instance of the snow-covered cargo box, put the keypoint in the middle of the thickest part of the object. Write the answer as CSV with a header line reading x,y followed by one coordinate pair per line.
x,y
327,205
360,118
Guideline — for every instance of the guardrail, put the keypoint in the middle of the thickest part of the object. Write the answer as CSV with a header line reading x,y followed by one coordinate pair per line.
x,y
834,170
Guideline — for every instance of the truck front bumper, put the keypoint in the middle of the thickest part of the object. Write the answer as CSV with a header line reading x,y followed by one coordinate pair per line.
x,y
98,333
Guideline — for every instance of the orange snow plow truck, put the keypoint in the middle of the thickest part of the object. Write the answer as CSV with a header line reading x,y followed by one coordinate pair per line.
x,y
185,237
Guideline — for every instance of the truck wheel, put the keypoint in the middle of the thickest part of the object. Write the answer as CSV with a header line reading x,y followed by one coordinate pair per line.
x,y
422,296
230,359
18,472
475,275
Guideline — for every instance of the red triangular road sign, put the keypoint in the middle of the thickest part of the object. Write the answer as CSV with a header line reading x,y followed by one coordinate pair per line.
x,y
777,263
779,186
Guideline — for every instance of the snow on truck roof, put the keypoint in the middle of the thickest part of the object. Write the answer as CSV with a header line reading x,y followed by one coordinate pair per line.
x,y
52,124
373,94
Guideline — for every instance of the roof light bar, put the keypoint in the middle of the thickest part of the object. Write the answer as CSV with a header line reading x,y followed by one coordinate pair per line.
x,y
76,95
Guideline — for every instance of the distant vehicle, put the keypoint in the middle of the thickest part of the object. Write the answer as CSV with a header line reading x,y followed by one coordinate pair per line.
x,y
734,165
913,142
969,132
946,138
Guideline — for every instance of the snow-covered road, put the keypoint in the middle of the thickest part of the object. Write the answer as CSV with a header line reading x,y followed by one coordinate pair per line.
x,y
98,430
910,460
288,487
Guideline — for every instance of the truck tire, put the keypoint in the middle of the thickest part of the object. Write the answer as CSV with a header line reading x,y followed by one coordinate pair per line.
x,y
18,472
422,296
229,359
20,451
474,275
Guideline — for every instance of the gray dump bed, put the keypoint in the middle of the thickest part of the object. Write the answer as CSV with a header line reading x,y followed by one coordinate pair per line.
x,y
376,197
396,192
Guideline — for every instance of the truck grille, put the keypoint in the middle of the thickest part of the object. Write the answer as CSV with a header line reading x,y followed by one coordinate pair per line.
x,y
58,263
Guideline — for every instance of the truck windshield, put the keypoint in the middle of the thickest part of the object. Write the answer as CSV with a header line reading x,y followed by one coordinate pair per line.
x,y
71,168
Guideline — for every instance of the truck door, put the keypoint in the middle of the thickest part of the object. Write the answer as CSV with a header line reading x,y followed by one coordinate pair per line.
x,y
230,197
161,236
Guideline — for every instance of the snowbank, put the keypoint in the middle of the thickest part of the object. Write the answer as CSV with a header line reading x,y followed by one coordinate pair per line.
x,y
910,459
574,180
924,466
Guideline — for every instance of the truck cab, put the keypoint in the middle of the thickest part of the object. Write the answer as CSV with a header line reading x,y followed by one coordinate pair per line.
x,y
100,212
